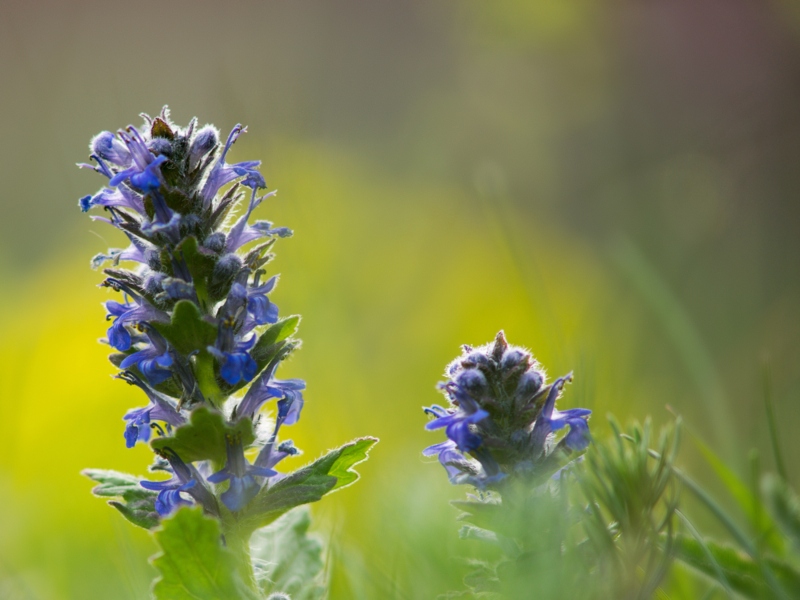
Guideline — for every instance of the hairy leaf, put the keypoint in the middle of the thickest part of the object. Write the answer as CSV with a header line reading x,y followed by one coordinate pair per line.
x,y
287,560
134,502
193,564
188,331
308,484
203,437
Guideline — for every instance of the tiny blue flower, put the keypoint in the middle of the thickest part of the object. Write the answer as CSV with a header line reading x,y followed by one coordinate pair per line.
x,y
242,476
456,423
169,494
223,173
259,306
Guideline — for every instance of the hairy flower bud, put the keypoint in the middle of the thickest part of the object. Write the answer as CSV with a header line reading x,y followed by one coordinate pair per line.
x,y
205,140
500,419
223,275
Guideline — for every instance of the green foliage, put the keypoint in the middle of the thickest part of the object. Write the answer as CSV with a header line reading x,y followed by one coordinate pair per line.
x,y
137,503
602,529
203,437
188,331
194,564
745,575
287,560
308,484
200,264
785,507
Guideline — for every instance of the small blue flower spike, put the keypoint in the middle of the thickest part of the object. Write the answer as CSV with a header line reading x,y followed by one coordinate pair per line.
x,y
502,422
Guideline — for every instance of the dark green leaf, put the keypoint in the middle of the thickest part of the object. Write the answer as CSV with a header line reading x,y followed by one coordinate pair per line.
x,y
308,484
188,331
137,503
276,332
286,559
203,437
193,564
200,263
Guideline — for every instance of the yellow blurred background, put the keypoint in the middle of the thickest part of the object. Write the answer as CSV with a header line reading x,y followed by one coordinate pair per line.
x,y
612,184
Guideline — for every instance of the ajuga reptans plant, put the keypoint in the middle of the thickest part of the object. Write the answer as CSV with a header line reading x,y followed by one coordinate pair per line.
x,y
561,530
195,330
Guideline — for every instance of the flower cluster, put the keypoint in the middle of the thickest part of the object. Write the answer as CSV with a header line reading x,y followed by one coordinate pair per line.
x,y
502,419
195,323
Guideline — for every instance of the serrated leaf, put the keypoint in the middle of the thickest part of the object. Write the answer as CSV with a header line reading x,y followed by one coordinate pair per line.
x,y
200,265
187,331
286,559
138,504
486,515
743,574
277,332
203,437
308,484
193,564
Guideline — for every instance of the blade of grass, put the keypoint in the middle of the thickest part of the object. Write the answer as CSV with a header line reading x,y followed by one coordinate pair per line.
x,y
773,425
684,336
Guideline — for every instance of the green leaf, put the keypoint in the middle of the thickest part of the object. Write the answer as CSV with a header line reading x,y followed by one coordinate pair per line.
x,y
742,573
138,504
193,564
188,331
288,560
203,437
308,484
200,264
784,506
487,515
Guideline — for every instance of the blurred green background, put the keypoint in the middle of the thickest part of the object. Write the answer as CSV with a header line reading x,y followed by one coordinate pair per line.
x,y
615,184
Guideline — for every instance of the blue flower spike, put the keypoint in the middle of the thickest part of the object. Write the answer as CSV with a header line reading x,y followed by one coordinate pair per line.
x,y
501,422
169,190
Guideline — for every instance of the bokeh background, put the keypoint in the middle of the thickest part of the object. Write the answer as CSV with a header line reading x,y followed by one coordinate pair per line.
x,y
615,184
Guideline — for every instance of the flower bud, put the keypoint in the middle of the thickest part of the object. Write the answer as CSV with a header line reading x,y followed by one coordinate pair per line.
x,y
108,147
513,358
224,273
529,384
472,381
215,242
475,359
160,146
203,143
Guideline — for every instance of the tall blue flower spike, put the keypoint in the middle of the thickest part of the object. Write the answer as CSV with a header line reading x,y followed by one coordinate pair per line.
x,y
501,421
195,326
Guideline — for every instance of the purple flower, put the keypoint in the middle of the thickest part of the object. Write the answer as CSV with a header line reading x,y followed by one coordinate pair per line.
x,y
242,476
242,233
152,362
456,423
235,366
291,398
128,313
169,493
106,145
161,408
259,306
223,173
550,420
